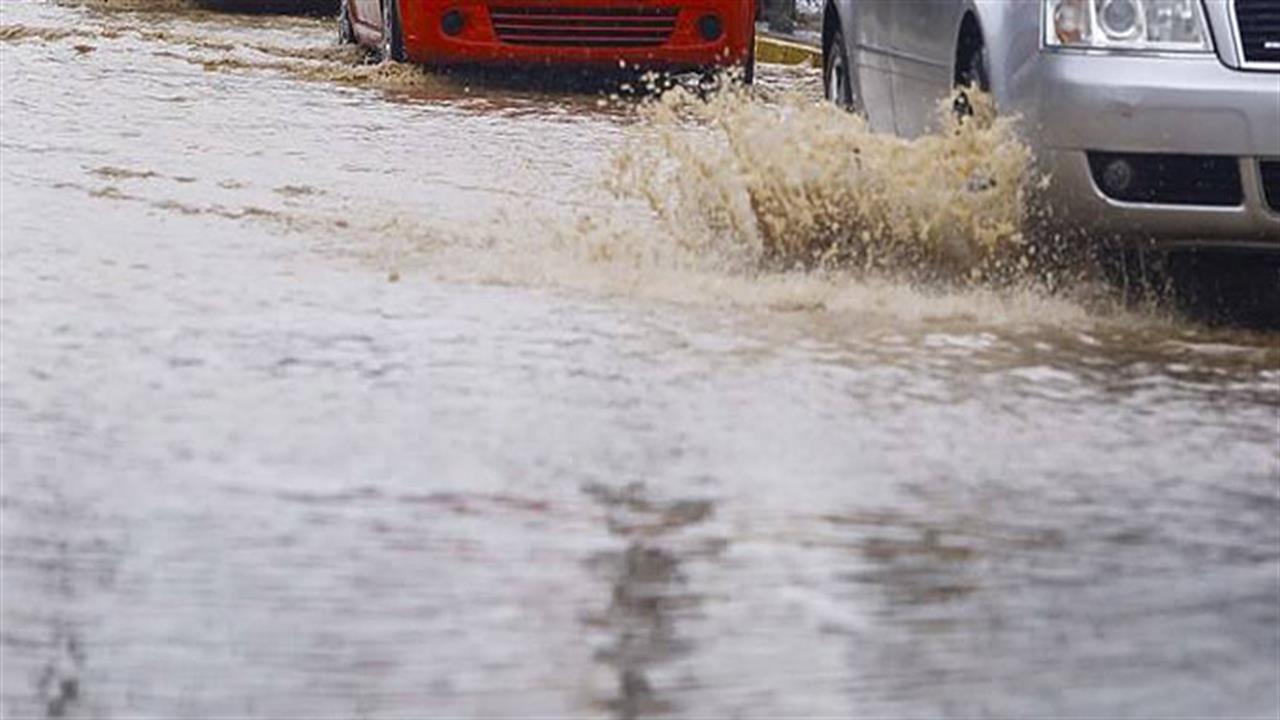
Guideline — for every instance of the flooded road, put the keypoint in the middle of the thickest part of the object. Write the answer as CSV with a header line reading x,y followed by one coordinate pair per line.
x,y
333,390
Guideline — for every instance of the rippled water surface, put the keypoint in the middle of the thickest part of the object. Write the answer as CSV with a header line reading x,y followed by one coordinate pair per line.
x,y
333,389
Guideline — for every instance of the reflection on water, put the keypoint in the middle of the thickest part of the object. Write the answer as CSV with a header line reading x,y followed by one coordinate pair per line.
x,y
394,409
649,593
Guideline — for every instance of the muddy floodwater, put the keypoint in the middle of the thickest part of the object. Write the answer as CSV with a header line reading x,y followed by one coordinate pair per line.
x,y
338,390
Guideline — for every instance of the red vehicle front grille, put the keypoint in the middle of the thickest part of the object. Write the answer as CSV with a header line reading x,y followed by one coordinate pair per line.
x,y
584,27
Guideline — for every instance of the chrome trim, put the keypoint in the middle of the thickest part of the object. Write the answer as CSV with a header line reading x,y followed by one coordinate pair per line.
x,y
1124,53
1238,41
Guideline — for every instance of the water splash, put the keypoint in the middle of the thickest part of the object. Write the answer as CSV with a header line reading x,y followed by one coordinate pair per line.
x,y
797,183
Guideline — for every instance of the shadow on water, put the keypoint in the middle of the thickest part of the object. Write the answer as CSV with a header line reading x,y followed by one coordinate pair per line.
x,y
59,683
318,8
649,592
590,82
1228,288
47,554
1236,289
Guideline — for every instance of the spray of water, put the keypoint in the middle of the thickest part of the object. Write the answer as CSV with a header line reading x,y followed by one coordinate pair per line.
x,y
757,198
793,183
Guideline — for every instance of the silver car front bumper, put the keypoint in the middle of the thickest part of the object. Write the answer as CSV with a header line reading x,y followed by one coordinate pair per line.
x,y
1156,105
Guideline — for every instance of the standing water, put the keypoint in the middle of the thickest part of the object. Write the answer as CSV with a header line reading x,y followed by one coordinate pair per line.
x,y
332,389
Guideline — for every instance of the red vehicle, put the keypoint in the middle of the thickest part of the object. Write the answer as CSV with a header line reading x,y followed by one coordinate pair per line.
x,y
672,35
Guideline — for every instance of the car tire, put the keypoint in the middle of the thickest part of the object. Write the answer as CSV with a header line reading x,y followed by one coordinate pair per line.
x,y
974,73
971,75
392,37
749,65
837,77
346,31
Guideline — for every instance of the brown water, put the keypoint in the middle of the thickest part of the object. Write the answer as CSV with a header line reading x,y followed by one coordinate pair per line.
x,y
333,390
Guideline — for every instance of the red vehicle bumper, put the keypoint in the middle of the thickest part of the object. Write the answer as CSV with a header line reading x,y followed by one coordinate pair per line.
x,y
660,34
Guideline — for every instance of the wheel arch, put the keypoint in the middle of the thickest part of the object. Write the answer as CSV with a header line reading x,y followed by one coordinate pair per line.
x,y
836,15
970,40
1008,32
830,21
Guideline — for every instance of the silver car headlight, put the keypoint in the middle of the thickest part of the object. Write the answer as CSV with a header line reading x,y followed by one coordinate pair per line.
x,y
1151,25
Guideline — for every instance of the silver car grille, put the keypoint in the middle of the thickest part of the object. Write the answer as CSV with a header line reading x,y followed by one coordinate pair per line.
x,y
1258,32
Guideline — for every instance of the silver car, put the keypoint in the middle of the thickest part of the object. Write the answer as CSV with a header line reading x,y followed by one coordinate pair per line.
x,y
1158,118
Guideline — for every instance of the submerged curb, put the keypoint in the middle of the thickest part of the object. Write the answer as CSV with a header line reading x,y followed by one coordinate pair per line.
x,y
785,51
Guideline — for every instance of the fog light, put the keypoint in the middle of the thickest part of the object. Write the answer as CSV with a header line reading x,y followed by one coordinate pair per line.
x,y
1117,177
710,27
452,23
1165,179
